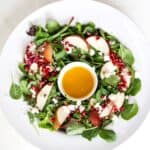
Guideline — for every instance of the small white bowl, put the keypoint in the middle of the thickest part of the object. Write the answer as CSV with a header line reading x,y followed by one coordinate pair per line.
x,y
70,66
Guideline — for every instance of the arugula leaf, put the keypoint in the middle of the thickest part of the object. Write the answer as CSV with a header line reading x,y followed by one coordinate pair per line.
x,y
90,27
41,33
31,117
52,26
46,123
108,135
60,55
90,133
15,91
79,27
22,67
112,80
106,122
135,87
130,111
75,129
24,86
126,55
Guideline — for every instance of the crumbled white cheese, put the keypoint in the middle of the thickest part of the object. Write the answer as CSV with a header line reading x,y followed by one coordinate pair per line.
x,y
107,70
92,52
55,100
92,101
127,97
34,67
81,108
32,46
78,103
33,93
58,69
100,53
114,118
117,99
106,58
112,42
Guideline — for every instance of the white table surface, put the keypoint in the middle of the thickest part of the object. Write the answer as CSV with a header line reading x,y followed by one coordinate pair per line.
x,y
13,11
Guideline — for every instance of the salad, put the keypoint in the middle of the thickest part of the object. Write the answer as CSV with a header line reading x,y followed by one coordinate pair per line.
x,y
53,48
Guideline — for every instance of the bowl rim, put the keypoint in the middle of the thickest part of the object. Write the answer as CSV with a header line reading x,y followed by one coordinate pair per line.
x,y
139,31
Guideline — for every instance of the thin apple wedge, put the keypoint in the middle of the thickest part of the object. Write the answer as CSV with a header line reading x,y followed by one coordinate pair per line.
x,y
60,116
75,41
98,43
43,96
117,99
47,51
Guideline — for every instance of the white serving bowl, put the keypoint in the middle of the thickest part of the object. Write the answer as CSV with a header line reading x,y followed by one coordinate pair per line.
x,y
105,17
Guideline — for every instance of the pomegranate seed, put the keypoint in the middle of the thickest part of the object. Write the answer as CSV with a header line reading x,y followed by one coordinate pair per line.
x,y
52,119
67,49
83,114
97,37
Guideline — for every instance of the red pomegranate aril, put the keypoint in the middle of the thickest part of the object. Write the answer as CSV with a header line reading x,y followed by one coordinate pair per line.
x,y
67,49
83,114
97,37
52,119
115,109
36,89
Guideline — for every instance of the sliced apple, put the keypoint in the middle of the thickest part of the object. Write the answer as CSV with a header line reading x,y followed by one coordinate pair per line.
x,y
106,111
60,116
75,41
98,43
126,75
47,51
107,70
43,96
117,99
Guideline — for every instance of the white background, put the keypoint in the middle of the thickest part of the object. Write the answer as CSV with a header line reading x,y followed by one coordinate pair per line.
x,y
13,11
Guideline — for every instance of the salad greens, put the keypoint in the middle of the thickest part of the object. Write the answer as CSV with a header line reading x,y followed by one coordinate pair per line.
x,y
55,46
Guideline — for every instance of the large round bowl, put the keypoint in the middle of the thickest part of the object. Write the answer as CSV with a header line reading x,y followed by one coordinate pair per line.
x,y
105,17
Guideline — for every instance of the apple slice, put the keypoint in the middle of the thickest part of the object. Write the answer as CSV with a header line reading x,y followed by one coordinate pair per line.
x,y
43,96
47,51
106,111
98,43
117,99
61,115
107,70
75,41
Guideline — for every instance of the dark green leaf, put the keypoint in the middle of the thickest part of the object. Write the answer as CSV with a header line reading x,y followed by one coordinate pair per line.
x,y
108,135
22,67
130,111
24,87
15,91
90,133
126,55
60,55
112,80
135,87
52,26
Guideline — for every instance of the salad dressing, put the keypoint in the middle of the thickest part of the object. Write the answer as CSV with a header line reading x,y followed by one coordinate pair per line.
x,y
78,82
